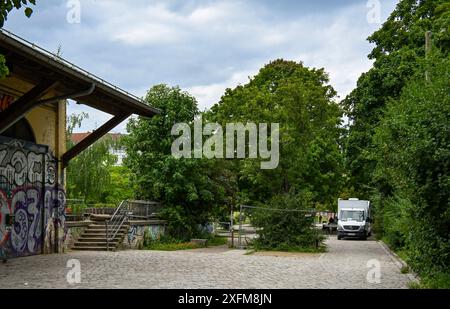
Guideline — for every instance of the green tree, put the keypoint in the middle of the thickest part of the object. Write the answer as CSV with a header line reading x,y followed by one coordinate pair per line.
x,y
4,71
189,189
413,162
400,44
301,101
89,174
120,186
396,151
7,6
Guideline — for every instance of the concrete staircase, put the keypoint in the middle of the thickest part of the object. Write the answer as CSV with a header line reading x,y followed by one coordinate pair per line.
x,y
94,238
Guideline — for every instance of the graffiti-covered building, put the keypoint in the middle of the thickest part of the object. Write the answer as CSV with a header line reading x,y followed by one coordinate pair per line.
x,y
33,152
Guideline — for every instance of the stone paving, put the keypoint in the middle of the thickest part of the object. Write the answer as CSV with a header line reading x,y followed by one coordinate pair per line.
x,y
344,265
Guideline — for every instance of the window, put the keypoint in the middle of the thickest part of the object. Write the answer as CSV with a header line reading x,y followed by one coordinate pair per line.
x,y
352,215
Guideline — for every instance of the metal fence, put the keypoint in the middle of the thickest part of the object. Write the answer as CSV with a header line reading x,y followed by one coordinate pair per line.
x,y
143,209
136,209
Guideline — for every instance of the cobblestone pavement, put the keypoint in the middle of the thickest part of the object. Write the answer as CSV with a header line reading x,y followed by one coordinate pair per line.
x,y
344,265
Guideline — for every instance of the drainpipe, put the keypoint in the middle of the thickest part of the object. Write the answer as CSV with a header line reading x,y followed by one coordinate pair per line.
x,y
73,95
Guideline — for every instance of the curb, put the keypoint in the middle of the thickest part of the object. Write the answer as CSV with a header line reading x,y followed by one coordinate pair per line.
x,y
412,276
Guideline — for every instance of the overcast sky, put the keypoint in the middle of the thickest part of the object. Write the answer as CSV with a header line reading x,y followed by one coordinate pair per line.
x,y
202,46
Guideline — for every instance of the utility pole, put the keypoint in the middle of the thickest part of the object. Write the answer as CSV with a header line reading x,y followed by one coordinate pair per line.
x,y
240,226
428,44
231,225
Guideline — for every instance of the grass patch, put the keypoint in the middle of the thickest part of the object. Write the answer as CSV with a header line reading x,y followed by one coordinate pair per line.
x,y
404,270
414,285
435,281
403,254
217,241
173,245
319,249
427,281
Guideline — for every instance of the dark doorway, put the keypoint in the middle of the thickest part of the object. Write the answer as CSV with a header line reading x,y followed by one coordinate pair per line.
x,y
20,130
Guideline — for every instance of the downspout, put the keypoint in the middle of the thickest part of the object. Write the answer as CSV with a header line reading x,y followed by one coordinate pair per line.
x,y
77,94
73,95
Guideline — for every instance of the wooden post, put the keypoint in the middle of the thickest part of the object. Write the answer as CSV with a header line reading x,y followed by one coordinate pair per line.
x,y
231,226
240,227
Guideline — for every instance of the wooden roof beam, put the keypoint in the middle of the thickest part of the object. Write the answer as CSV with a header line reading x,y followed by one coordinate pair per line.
x,y
92,138
24,104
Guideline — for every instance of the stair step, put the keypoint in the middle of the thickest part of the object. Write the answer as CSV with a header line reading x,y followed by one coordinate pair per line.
x,y
102,226
93,248
96,239
99,234
95,244
103,229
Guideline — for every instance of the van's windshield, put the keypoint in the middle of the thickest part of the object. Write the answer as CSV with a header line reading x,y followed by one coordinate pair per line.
x,y
352,215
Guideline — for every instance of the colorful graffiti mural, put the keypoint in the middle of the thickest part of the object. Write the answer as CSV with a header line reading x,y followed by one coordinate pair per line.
x,y
31,196
5,101
138,234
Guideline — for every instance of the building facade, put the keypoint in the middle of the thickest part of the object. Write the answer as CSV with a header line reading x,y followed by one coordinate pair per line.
x,y
33,154
116,149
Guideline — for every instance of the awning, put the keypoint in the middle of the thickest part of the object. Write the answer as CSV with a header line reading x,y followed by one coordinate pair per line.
x,y
47,71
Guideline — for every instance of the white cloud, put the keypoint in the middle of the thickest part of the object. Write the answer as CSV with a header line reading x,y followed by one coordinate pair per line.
x,y
207,95
204,46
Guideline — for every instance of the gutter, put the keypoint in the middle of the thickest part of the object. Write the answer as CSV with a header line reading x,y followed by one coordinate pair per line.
x,y
73,95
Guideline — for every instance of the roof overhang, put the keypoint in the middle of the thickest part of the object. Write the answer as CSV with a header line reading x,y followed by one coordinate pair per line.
x,y
34,64
44,72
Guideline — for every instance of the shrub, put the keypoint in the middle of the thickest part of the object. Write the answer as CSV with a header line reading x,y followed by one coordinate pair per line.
x,y
288,229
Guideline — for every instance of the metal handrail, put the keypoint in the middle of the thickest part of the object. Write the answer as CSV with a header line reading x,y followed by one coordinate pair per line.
x,y
115,223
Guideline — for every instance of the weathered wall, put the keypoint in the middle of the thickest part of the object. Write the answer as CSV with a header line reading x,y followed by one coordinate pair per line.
x,y
139,233
44,122
31,180
74,231
30,192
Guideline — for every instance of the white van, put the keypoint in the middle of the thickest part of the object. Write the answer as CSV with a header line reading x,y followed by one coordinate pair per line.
x,y
354,219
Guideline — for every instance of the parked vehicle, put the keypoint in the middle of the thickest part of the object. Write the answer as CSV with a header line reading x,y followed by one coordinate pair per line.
x,y
354,219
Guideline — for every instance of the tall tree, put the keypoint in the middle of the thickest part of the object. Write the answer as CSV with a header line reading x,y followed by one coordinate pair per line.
x,y
89,174
7,6
190,189
301,101
400,44
413,163
397,147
